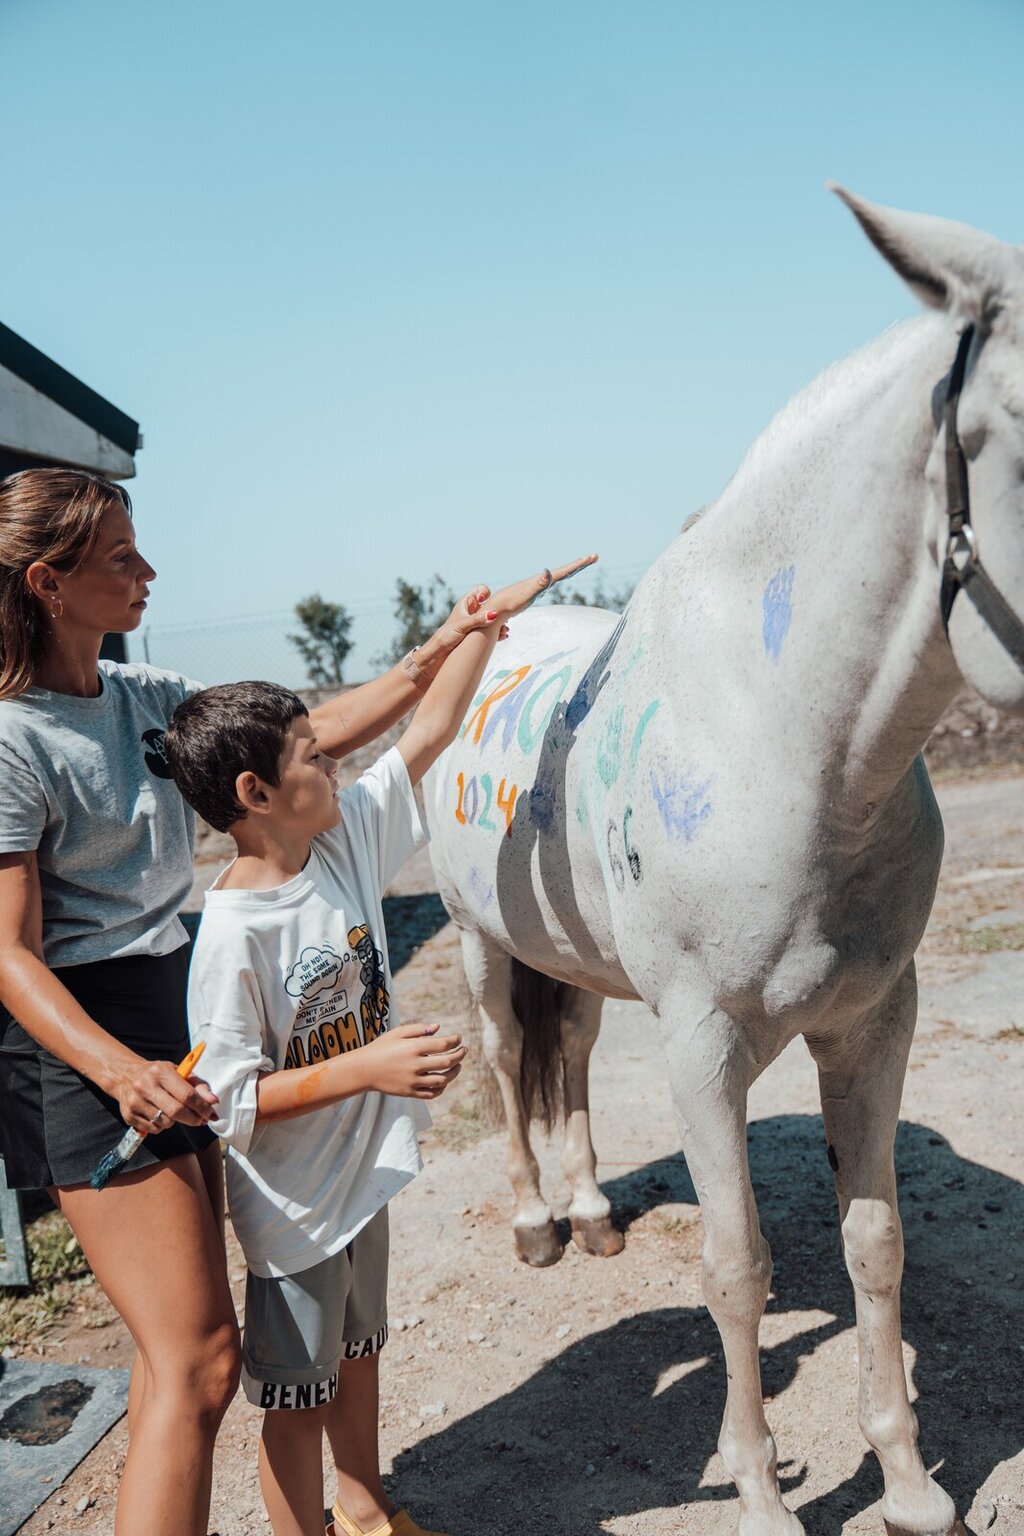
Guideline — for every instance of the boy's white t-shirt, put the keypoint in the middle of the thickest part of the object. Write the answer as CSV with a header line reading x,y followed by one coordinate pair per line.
x,y
292,976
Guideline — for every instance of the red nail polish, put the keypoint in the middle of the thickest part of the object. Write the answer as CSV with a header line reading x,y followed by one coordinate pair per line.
x,y
492,615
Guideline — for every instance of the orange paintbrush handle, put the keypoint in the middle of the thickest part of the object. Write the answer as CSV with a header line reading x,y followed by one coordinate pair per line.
x,y
187,1067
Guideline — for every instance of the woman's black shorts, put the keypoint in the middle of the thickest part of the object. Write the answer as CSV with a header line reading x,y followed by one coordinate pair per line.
x,y
55,1125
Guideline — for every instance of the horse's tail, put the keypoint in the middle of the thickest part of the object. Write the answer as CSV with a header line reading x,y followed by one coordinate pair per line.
x,y
537,1001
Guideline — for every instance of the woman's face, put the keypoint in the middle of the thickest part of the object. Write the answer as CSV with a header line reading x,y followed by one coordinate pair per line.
x,y
108,591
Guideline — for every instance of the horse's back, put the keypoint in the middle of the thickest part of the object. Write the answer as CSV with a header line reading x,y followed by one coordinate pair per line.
x,y
512,850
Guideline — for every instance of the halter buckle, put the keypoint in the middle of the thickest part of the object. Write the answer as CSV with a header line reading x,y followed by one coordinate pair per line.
x,y
962,549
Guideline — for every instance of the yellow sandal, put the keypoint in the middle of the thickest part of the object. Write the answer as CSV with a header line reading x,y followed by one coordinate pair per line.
x,y
400,1524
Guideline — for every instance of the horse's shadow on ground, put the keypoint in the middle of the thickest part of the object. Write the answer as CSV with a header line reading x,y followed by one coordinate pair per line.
x,y
598,1402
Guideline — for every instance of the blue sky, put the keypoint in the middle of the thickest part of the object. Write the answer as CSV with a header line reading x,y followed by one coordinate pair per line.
x,y
473,287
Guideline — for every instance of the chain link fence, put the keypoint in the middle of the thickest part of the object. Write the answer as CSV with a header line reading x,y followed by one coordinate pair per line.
x,y
257,645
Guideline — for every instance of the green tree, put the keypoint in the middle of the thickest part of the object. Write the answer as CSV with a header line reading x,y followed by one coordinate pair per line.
x,y
325,642
601,597
418,612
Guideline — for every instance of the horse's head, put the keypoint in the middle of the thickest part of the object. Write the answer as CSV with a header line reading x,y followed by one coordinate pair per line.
x,y
979,282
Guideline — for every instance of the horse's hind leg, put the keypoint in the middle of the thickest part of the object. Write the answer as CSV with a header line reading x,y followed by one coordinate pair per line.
x,y
590,1212
861,1080
489,973
710,1073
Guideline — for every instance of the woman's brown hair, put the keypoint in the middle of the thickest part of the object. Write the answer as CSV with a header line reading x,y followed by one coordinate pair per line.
x,y
45,514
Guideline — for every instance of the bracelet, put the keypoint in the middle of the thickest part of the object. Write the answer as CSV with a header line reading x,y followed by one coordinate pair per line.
x,y
417,676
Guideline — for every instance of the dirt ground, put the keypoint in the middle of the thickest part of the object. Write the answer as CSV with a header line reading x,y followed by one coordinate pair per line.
x,y
586,1398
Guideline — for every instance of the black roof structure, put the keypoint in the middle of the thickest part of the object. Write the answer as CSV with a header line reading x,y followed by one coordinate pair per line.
x,y
47,416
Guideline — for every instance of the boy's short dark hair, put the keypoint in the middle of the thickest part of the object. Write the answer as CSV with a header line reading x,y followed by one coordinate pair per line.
x,y
222,732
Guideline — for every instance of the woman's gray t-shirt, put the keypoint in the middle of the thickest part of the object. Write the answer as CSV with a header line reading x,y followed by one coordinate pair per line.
x,y
85,783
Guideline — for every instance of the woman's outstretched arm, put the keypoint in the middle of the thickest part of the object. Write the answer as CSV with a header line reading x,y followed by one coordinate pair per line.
x,y
362,714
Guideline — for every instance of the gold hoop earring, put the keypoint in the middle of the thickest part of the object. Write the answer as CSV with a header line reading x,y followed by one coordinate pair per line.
x,y
56,603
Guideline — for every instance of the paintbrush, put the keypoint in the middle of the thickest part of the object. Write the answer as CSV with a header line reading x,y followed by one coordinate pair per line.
x,y
130,1142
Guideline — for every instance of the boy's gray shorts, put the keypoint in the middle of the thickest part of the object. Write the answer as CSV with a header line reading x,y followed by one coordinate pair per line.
x,y
298,1328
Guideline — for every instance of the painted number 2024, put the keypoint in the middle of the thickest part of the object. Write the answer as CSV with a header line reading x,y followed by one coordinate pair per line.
x,y
468,808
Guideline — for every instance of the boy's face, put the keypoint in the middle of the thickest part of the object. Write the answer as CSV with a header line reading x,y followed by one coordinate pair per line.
x,y
305,801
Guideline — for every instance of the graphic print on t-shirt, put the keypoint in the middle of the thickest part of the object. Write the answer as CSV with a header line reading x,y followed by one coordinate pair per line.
x,y
325,1024
375,1003
156,756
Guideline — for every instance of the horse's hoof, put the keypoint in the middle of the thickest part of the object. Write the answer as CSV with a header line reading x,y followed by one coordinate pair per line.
x,y
940,1520
538,1246
893,1528
598,1237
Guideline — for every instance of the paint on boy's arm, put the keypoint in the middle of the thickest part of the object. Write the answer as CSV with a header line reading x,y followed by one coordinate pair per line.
x,y
777,607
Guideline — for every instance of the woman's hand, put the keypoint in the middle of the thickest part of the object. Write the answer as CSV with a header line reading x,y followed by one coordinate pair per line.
x,y
412,1061
470,613
151,1096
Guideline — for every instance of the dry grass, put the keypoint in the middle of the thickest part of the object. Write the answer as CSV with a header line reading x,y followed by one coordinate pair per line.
x,y
60,1277
985,941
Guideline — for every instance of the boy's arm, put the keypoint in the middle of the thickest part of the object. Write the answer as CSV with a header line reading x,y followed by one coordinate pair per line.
x,y
435,724
362,714
411,1062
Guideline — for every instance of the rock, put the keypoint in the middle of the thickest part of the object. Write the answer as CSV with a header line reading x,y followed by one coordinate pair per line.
x,y
83,1504
474,1338
432,1410
589,1469
413,1321
986,1515
563,1331
397,1325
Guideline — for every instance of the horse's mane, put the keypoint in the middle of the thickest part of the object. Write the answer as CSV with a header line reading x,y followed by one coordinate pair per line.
x,y
834,390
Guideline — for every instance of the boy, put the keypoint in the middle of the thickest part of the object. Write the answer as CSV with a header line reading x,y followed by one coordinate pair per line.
x,y
291,991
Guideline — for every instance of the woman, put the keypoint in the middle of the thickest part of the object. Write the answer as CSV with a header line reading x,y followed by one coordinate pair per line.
x,y
95,860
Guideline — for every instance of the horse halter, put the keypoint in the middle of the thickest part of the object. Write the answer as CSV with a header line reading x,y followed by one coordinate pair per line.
x,y
962,568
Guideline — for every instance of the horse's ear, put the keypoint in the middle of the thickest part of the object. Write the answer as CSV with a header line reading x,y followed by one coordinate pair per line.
x,y
948,265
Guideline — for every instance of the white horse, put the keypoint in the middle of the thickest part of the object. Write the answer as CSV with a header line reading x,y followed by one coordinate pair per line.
x,y
717,804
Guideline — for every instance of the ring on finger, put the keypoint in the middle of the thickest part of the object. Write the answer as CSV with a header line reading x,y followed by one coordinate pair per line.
x,y
157,1119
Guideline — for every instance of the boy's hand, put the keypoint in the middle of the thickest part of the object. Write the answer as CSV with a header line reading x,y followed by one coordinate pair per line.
x,y
481,607
413,1061
517,597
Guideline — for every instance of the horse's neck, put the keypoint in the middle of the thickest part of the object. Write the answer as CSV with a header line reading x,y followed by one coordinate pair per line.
x,y
824,531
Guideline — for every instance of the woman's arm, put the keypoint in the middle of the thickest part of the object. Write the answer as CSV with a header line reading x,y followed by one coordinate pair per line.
x,y
352,719
46,1009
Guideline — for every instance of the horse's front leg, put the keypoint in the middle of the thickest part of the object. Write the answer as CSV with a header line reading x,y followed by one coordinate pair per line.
x,y
590,1212
710,1074
861,1079
489,974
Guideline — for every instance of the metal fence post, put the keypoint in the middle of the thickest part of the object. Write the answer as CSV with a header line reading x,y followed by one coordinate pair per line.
x,y
16,1266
